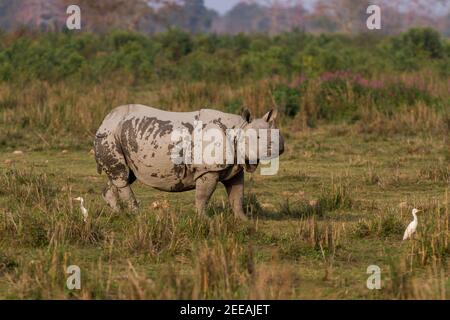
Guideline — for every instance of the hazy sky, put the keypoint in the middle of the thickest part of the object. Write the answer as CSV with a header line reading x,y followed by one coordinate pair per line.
x,y
223,6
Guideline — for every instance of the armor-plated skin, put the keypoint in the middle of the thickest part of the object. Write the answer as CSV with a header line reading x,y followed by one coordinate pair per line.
x,y
135,142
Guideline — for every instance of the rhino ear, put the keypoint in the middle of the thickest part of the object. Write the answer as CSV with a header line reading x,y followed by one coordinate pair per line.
x,y
246,115
271,116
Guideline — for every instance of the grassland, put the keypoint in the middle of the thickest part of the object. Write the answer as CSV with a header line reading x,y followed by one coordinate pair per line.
x,y
366,124
339,204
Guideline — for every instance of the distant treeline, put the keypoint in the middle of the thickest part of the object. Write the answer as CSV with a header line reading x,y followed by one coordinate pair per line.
x,y
270,16
227,58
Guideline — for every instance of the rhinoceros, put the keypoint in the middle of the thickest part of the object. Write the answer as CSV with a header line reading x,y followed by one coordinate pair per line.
x,y
135,142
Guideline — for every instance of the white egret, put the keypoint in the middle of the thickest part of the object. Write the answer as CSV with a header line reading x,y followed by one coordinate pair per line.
x,y
412,226
84,211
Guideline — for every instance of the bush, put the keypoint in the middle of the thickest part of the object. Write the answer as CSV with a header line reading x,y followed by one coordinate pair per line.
x,y
287,98
411,49
231,58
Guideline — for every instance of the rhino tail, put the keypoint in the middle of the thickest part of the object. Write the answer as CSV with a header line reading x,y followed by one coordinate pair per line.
x,y
97,142
99,165
99,168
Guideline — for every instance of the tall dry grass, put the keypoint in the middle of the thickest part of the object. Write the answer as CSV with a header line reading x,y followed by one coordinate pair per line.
x,y
39,114
216,259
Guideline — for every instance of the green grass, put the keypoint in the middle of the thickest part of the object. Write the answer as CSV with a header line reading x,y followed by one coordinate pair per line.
x,y
367,136
316,226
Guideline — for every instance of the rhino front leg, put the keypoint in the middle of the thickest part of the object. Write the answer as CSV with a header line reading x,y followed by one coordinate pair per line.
x,y
235,190
204,188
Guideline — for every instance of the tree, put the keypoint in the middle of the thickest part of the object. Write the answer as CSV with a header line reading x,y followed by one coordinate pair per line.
x,y
348,15
192,16
7,11
101,16
36,14
271,16
246,17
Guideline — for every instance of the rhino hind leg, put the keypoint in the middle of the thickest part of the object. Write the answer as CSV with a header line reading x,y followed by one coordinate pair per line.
x,y
111,196
111,160
121,189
